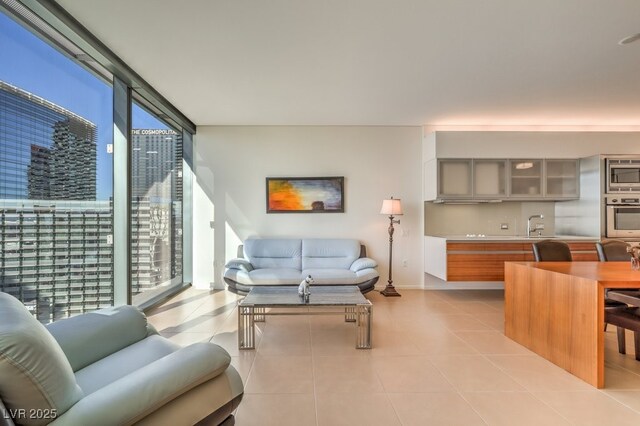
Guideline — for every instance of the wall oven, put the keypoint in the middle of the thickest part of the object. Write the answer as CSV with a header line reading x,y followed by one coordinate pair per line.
x,y
623,216
623,175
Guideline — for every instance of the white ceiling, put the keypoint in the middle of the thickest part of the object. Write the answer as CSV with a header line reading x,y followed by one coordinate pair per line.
x,y
381,62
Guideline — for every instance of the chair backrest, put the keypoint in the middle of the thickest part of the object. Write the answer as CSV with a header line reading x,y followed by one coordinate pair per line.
x,y
551,251
34,371
613,251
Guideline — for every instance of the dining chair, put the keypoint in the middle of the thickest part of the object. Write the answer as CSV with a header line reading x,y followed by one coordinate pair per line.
x,y
551,251
626,318
613,251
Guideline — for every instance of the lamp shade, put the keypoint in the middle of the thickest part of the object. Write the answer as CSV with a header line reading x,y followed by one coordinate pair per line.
x,y
392,207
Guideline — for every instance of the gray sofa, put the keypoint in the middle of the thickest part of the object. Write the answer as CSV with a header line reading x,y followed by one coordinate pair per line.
x,y
280,261
108,368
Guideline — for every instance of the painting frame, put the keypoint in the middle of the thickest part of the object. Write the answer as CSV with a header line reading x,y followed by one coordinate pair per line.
x,y
290,194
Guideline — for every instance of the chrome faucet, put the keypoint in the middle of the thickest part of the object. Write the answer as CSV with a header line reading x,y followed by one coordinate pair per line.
x,y
540,216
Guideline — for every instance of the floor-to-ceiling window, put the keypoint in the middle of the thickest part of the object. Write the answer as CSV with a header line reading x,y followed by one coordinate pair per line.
x,y
156,205
56,178
61,210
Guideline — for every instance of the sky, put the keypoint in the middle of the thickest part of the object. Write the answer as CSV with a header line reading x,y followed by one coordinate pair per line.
x,y
33,65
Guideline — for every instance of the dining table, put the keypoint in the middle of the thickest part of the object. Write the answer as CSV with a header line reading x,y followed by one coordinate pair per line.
x,y
556,309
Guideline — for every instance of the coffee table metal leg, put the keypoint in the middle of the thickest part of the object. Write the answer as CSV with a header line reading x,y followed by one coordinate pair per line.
x,y
246,328
363,326
350,314
258,315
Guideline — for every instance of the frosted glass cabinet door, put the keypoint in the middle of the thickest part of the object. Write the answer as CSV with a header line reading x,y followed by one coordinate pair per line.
x,y
562,178
454,178
526,178
490,178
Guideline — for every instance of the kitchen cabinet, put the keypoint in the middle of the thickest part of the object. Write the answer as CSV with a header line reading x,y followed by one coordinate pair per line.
x,y
562,178
490,178
454,178
462,179
526,178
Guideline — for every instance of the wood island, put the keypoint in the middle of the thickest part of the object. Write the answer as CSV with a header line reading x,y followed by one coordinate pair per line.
x,y
556,309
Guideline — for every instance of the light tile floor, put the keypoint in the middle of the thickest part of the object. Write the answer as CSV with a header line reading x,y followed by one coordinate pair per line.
x,y
438,357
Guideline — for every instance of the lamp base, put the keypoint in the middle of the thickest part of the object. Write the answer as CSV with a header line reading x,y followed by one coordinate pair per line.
x,y
390,291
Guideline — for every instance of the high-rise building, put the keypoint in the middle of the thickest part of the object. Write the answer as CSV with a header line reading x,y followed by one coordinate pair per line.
x,y
154,160
156,188
55,237
49,153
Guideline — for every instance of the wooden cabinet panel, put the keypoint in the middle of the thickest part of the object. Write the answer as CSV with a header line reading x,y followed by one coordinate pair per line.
x,y
488,246
478,267
484,261
584,257
582,246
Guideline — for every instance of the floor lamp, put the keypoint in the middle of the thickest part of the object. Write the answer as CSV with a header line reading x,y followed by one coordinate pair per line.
x,y
391,207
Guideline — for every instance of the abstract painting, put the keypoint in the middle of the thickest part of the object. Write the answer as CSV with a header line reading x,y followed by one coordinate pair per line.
x,y
305,195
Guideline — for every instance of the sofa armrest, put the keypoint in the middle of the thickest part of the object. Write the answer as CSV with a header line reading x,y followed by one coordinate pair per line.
x,y
133,397
89,337
241,264
363,263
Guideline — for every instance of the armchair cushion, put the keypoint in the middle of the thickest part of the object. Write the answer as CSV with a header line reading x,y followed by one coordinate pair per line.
x,y
111,368
34,372
88,338
363,263
241,264
136,395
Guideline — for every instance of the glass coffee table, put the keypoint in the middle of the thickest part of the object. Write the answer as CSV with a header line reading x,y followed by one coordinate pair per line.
x,y
350,301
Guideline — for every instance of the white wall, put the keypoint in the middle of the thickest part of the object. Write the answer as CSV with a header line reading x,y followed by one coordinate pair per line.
x,y
232,162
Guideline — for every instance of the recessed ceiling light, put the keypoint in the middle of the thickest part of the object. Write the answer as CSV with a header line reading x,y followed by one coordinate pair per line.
x,y
629,39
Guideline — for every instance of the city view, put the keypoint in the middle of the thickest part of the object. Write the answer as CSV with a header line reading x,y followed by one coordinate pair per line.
x,y
56,235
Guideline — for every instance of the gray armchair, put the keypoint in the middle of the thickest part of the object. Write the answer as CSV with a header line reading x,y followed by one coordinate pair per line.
x,y
108,368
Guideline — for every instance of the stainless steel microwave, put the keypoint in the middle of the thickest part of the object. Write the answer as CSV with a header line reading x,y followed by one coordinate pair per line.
x,y
623,175
623,217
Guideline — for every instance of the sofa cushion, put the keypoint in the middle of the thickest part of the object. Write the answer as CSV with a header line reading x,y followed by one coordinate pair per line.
x,y
329,253
119,364
330,276
274,253
265,276
34,372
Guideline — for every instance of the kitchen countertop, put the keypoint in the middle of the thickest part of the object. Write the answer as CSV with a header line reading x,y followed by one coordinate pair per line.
x,y
514,238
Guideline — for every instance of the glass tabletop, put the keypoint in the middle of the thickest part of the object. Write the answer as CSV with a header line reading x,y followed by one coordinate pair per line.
x,y
320,296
